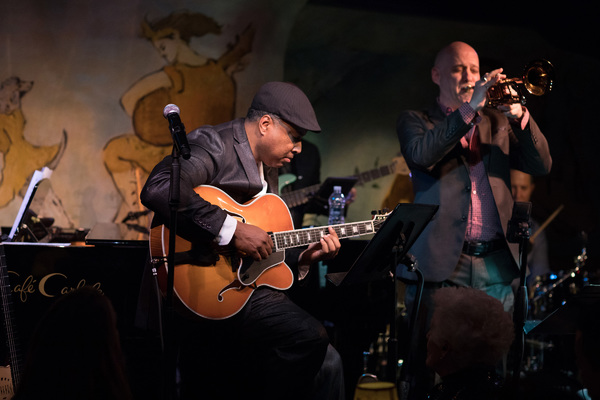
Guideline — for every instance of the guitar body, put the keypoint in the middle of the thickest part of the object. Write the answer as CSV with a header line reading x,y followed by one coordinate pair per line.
x,y
220,290
6,383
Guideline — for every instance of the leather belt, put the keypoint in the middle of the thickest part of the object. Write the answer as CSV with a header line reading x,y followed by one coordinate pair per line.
x,y
481,249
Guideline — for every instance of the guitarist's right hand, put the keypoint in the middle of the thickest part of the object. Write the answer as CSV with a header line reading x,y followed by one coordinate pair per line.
x,y
250,240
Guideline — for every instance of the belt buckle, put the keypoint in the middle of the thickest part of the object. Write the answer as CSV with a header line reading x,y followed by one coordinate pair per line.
x,y
476,248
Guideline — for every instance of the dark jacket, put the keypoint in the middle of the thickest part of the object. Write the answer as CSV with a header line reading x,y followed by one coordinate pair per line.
x,y
430,144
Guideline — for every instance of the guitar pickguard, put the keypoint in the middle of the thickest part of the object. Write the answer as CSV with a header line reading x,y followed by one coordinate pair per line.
x,y
250,270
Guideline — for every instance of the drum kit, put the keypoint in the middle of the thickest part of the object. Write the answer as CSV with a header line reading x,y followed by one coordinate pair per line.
x,y
551,290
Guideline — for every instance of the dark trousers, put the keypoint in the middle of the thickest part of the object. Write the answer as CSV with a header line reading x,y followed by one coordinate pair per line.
x,y
272,349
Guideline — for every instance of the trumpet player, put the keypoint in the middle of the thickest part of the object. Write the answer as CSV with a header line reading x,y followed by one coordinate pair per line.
x,y
460,153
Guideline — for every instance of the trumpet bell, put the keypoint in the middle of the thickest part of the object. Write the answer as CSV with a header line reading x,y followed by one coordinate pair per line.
x,y
537,79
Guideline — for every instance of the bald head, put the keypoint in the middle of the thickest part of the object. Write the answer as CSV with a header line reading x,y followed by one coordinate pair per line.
x,y
451,50
455,71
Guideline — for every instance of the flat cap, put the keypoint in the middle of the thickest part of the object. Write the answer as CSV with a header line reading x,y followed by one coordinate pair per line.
x,y
287,101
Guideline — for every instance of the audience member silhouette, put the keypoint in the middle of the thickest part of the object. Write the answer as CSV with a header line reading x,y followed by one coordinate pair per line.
x,y
75,352
469,334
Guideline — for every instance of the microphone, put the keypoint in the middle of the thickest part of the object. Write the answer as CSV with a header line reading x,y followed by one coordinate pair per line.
x,y
171,113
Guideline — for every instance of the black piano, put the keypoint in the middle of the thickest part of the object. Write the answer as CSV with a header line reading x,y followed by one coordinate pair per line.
x,y
111,258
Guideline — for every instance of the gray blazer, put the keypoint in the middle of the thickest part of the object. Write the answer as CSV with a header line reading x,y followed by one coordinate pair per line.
x,y
430,144
221,157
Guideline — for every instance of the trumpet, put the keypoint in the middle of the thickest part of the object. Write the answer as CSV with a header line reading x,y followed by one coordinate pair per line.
x,y
537,79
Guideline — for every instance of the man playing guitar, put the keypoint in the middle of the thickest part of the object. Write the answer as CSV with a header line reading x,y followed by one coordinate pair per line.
x,y
269,347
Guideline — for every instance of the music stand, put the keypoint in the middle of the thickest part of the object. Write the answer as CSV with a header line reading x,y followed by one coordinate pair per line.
x,y
406,222
37,177
387,249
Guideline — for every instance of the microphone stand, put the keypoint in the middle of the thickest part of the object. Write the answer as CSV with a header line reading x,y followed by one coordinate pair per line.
x,y
180,148
174,200
392,359
519,232
520,312
406,373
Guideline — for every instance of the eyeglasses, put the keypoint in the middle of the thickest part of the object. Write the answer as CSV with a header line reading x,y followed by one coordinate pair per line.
x,y
288,129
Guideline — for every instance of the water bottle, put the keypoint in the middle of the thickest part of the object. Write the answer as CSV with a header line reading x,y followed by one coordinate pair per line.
x,y
337,203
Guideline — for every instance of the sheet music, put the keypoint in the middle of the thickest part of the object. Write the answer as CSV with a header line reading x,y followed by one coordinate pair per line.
x,y
45,173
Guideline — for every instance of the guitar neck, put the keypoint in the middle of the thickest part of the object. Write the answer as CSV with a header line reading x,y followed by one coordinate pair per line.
x,y
302,237
375,173
9,321
298,197
301,196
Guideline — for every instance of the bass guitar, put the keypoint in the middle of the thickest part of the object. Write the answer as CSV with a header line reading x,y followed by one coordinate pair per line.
x,y
298,197
215,283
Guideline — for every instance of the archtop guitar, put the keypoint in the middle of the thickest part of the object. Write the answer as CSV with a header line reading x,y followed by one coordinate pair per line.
x,y
215,283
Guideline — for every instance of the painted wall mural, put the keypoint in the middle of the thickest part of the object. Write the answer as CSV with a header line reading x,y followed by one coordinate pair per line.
x,y
84,85
203,87
21,157
103,74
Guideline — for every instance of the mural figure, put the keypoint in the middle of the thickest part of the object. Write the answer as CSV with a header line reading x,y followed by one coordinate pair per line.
x,y
203,89
20,157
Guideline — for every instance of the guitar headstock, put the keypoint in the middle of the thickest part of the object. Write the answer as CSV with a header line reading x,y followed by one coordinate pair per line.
x,y
380,215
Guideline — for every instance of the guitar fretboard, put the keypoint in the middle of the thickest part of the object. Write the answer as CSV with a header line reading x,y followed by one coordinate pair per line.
x,y
302,237
376,173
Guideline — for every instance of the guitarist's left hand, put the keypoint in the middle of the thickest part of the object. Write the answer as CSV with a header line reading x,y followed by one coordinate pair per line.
x,y
327,248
